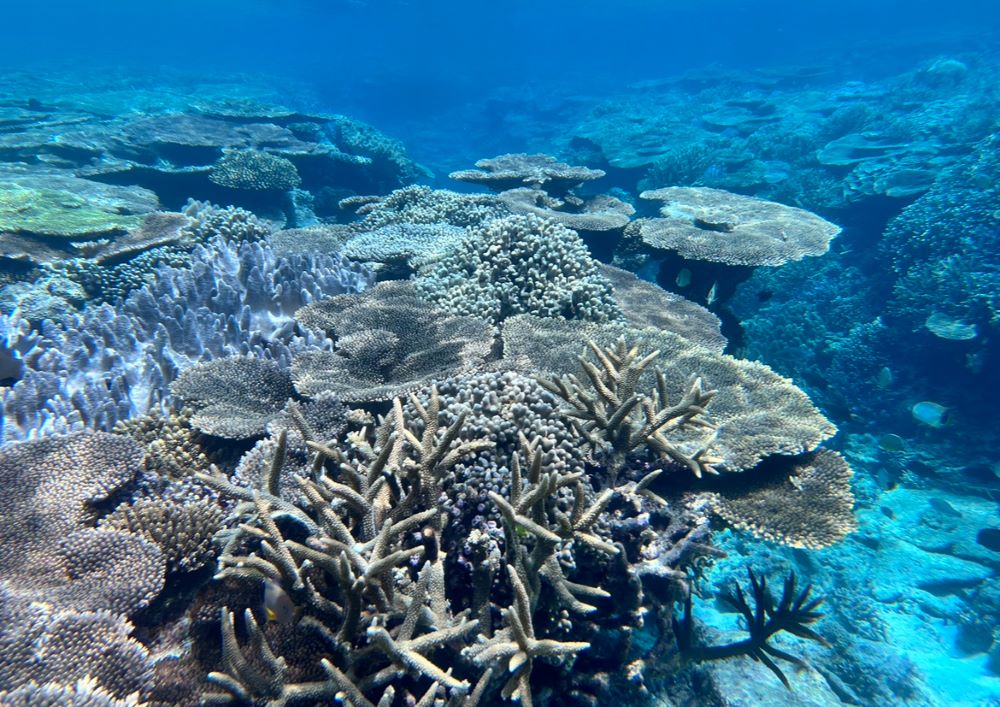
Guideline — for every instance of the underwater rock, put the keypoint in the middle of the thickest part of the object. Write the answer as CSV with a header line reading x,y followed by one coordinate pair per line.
x,y
47,203
989,538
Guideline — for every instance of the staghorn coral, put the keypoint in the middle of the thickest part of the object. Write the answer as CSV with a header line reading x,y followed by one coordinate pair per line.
x,y
388,341
755,413
254,170
717,226
182,531
809,505
260,678
511,171
517,645
233,397
606,412
499,406
520,264
794,613
321,419
414,205
351,565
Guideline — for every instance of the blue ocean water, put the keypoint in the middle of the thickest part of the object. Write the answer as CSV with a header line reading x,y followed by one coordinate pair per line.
x,y
288,295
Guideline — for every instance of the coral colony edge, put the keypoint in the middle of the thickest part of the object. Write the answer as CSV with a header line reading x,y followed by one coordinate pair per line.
x,y
287,418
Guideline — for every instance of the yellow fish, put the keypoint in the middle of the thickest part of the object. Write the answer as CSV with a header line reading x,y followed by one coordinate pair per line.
x,y
278,606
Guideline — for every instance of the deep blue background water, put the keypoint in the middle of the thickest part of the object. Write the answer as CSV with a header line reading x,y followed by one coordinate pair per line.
x,y
403,65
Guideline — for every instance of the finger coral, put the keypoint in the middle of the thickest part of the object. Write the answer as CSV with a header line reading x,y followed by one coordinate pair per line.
x,y
412,205
520,264
182,531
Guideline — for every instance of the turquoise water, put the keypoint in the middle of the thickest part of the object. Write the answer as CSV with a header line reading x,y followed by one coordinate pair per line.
x,y
288,295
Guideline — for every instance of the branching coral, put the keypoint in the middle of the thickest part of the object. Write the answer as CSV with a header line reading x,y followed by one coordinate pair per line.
x,y
616,419
416,205
793,613
756,413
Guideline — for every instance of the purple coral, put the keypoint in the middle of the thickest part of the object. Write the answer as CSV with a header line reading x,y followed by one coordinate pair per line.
x,y
90,370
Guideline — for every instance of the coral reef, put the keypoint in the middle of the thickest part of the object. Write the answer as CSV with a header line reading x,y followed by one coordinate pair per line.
x,y
811,506
236,298
793,613
255,170
714,225
415,205
519,264
233,397
512,171
756,412
387,341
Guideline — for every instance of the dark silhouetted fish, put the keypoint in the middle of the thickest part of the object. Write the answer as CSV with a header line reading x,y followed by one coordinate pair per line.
x,y
944,508
989,538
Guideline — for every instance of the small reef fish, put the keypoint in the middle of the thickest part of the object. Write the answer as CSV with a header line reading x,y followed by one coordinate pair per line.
x,y
884,377
683,278
944,508
278,606
931,414
710,297
891,443
989,538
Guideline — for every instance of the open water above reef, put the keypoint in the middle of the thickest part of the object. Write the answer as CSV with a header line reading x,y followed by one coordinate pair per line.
x,y
184,189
